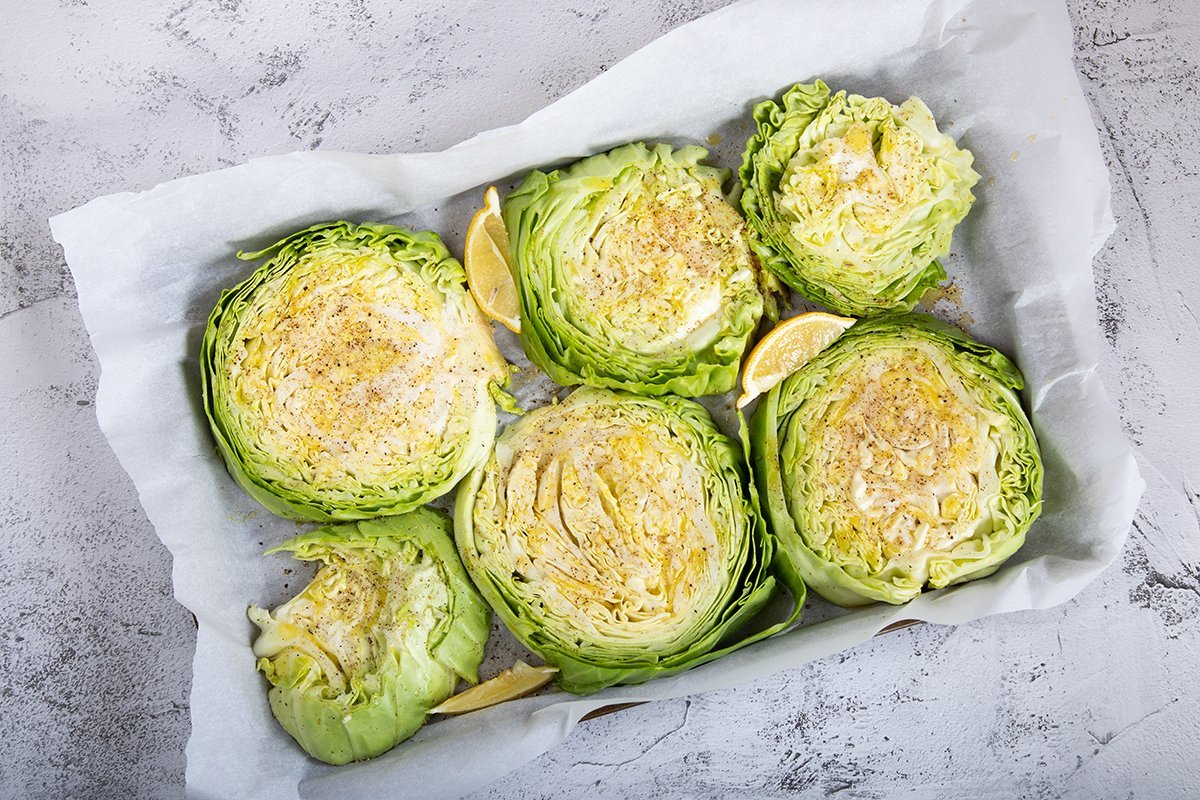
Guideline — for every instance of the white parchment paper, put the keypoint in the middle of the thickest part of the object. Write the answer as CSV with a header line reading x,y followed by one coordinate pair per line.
x,y
998,76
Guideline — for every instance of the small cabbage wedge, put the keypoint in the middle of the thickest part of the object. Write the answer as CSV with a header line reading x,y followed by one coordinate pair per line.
x,y
634,272
617,536
897,458
351,376
853,200
381,635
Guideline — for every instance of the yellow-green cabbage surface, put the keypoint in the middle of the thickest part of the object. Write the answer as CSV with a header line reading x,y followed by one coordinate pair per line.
x,y
381,635
634,272
853,200
616,536
351,376
898,458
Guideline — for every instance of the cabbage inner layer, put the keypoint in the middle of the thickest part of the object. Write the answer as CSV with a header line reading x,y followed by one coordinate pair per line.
x,y
600,515
901,461
354,372
865,194
653,261
361,611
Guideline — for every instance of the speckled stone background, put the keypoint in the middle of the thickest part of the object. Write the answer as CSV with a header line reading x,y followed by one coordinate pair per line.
x,y
1097,698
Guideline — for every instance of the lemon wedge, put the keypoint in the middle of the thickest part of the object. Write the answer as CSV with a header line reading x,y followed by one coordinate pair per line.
x,y
517,681
787,348
489,265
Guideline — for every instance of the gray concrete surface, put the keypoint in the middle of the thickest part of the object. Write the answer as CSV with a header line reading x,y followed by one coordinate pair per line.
x,y
1097,698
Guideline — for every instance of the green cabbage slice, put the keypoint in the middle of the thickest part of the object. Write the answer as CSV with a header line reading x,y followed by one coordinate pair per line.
x,y
634,272
381,635
617,536
351,376
897,459
853,200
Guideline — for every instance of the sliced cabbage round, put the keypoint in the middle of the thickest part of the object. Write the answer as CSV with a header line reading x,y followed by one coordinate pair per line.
x,y
615,536
381,635
897,459
634,272
351,376
852,200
